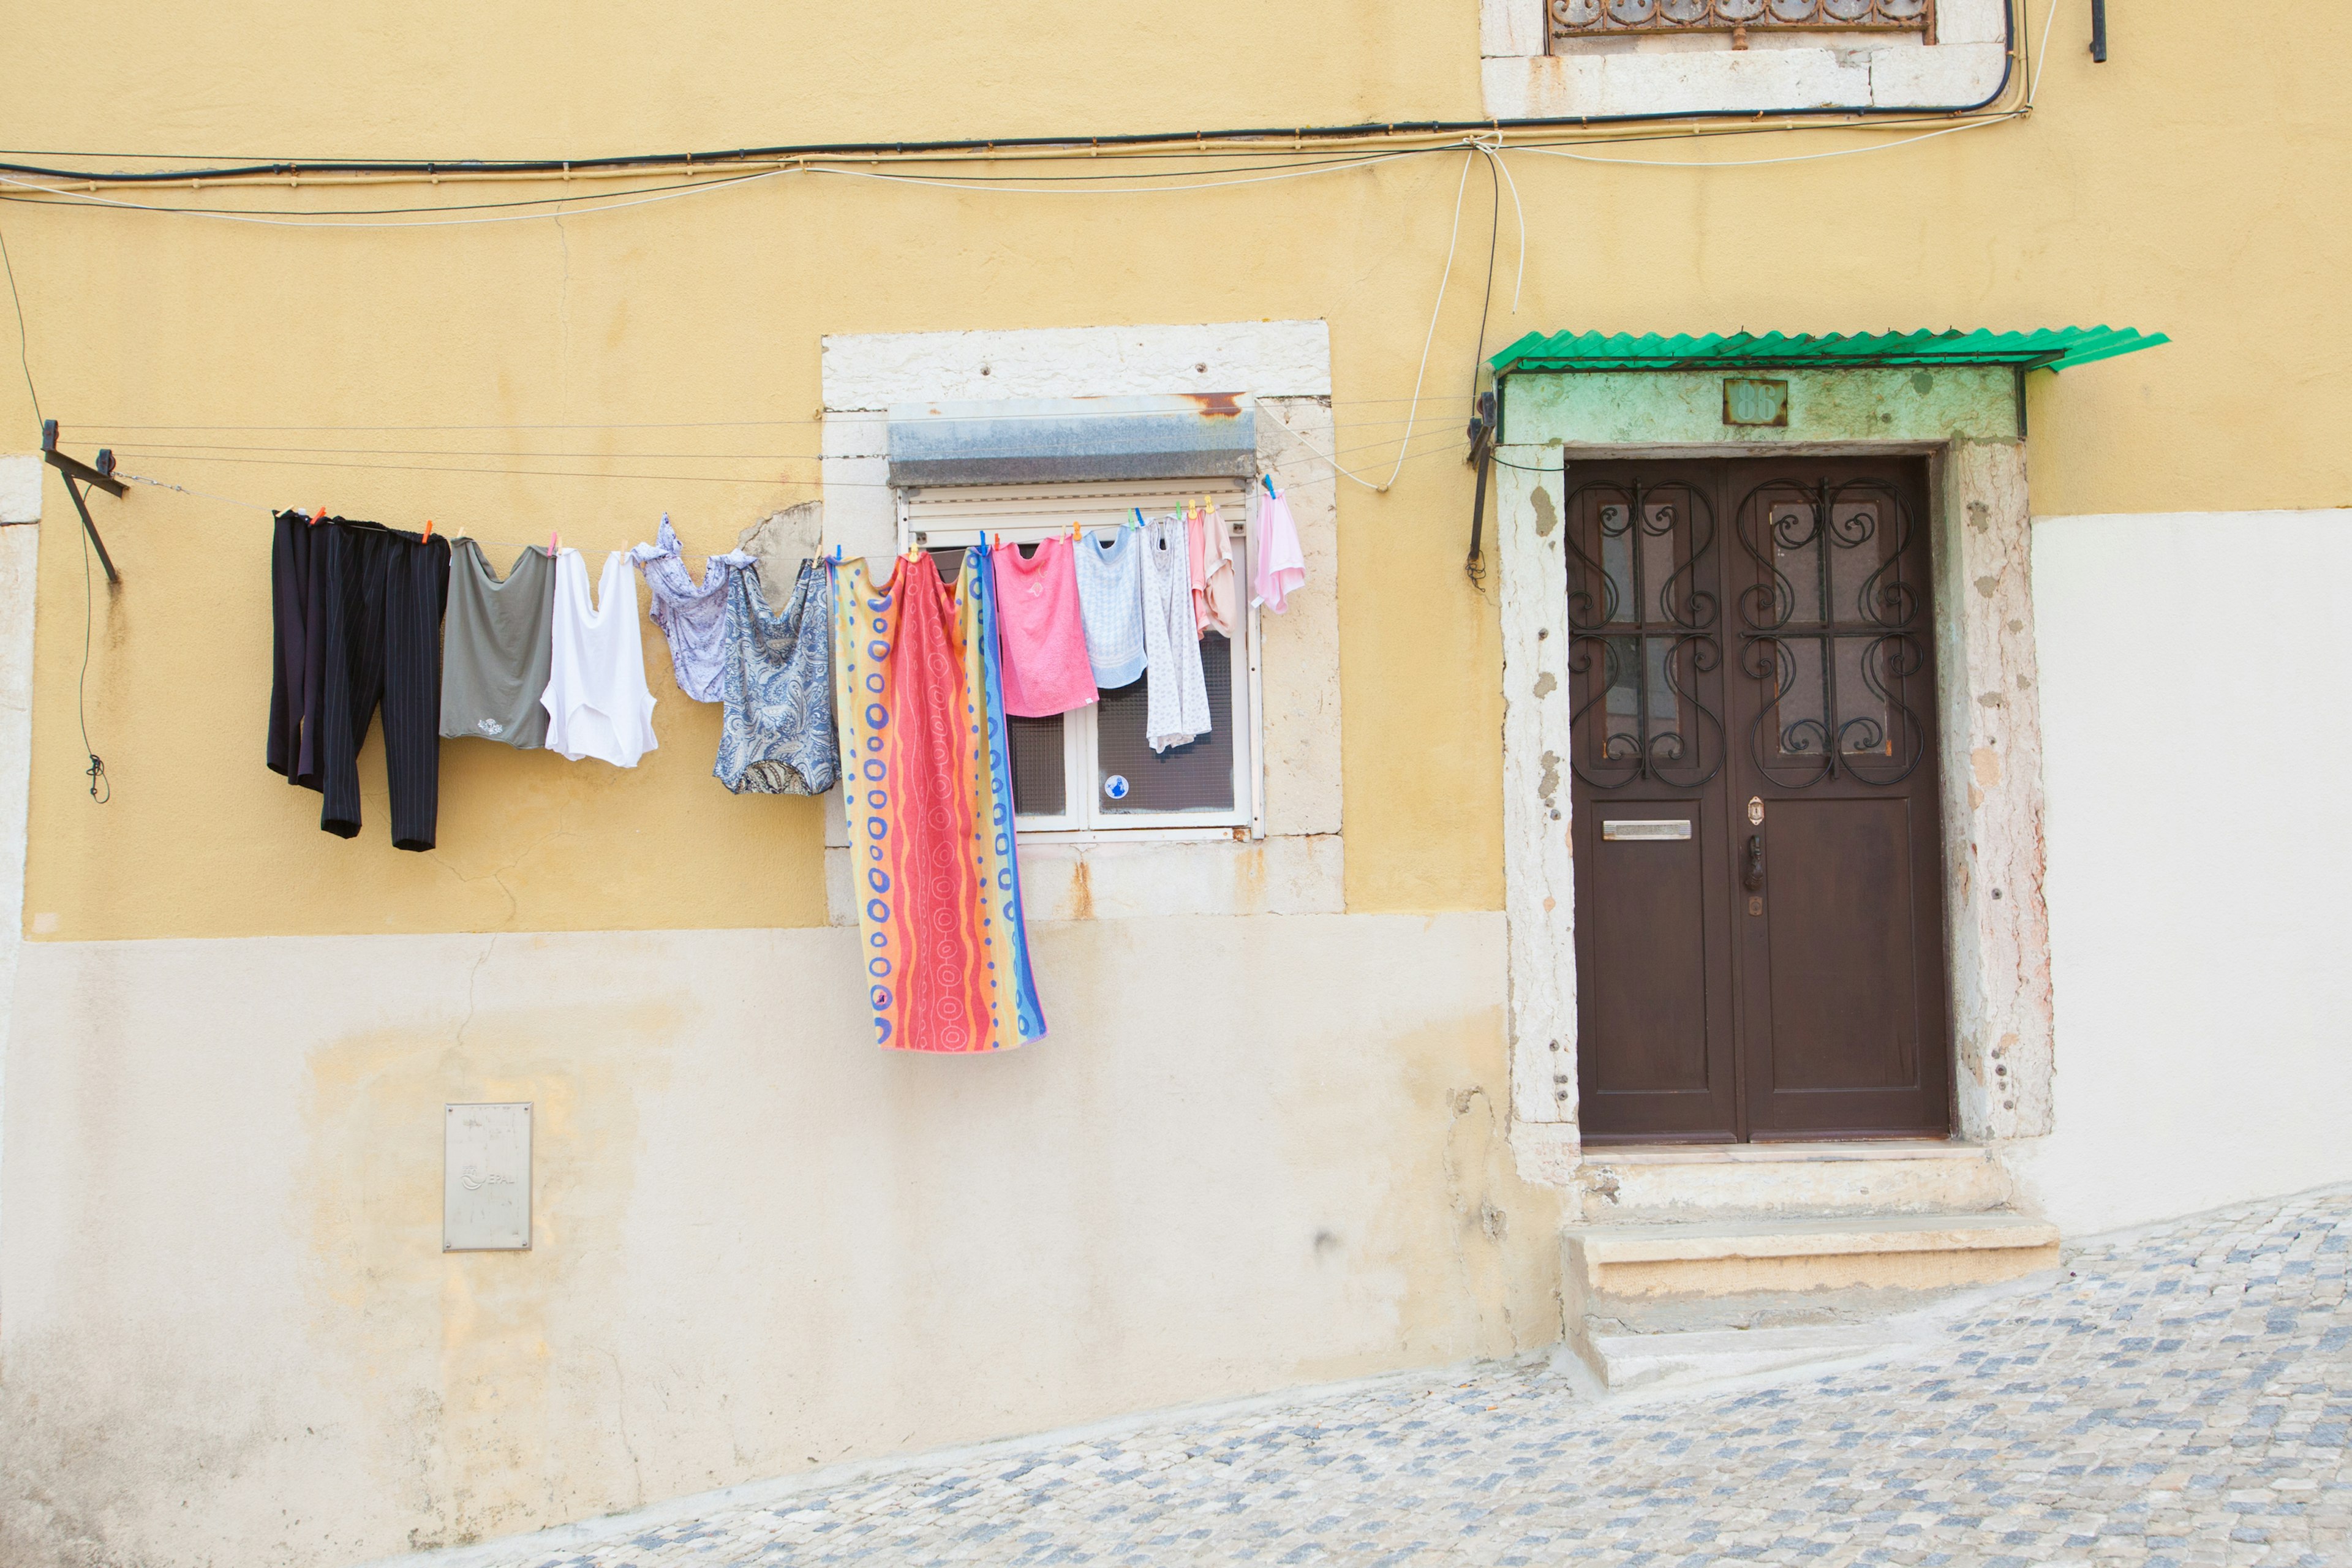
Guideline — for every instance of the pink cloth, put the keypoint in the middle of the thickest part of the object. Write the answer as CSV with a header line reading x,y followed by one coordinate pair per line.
x,y
1212,573
1281,569
1041,637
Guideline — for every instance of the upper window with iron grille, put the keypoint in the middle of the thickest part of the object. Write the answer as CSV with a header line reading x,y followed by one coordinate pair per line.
x,y
1639,58
1737,22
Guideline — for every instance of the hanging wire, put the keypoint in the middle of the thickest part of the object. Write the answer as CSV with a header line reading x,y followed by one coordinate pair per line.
x,y
102,789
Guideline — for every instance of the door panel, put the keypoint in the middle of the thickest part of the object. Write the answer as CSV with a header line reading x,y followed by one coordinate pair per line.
x,y
1840,951
1655,1032
1654,946
1838,931
1751,652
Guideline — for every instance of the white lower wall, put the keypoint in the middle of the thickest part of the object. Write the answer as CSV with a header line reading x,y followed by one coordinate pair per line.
x,y
2196,674
1253,1153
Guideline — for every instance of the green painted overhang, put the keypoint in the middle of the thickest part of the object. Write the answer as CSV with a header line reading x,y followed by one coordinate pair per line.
x,y
2059,347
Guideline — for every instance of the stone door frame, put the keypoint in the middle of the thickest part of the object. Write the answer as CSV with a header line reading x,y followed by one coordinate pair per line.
x,y
1968,424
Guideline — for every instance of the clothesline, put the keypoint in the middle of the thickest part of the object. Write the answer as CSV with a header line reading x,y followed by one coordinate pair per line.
x,y
456,534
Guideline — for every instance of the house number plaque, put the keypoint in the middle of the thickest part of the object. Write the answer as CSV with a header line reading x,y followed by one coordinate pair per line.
x,y
486,1178
1749,401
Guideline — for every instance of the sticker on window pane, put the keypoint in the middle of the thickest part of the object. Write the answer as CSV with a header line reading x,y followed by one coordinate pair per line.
x,y
1195,776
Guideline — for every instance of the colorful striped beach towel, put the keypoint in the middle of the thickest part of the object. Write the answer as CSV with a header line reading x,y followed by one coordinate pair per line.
x,y
926,784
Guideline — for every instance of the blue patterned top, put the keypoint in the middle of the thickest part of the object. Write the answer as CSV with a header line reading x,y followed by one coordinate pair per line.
x,y
776,735
1110,602
691,615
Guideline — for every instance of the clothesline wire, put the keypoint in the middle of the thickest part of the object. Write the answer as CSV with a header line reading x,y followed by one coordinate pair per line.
x,y
213,454
175,448
292,462
747,424
1453,449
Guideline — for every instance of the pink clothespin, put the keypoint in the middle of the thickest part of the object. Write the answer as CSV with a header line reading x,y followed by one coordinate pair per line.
x,y
554,542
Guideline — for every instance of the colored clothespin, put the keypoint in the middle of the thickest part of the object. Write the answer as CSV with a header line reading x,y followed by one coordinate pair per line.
x,y
318,517
554,542
1268,480
428,528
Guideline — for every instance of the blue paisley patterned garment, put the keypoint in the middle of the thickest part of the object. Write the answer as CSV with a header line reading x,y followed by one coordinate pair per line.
x,y
776,679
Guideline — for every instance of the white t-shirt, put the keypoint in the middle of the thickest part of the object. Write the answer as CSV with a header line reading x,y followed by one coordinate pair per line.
x,y
598,704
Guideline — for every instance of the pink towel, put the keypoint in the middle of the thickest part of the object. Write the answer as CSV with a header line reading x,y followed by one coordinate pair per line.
x,y
1039,631
1280,567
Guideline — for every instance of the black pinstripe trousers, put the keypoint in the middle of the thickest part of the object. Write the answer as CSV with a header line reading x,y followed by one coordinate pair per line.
x,y
358,610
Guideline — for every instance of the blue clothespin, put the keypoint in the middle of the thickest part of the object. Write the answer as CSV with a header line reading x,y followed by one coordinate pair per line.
x,y
1139,517
1268,480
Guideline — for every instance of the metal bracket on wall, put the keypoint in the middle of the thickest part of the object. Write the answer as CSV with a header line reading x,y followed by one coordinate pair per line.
x,y
1482,456
74,469
2099,31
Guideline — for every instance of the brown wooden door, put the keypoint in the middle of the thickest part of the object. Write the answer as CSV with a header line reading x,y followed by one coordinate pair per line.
x,y
1759,933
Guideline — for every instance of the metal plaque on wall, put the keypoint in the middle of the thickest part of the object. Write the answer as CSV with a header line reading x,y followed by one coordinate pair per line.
x,y
486,1178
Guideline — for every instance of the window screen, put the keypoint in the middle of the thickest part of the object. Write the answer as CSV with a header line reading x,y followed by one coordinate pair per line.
x,y
1195,776
1039,785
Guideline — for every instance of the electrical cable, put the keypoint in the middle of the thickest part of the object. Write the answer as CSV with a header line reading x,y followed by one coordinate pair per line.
x,y
1444,278
96,772
23,344
1065,145
1487,295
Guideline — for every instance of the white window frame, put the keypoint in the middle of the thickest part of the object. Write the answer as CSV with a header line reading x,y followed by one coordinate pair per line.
x,y
945,517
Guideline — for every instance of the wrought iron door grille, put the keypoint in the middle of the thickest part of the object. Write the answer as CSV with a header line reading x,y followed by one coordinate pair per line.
x,y
1601,19
1643,635
1831,633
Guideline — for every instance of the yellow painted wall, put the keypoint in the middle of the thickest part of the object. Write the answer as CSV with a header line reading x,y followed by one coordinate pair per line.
x,y
2196,184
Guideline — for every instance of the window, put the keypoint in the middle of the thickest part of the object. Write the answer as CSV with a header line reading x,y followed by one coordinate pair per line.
x,y
1090,772
1601,19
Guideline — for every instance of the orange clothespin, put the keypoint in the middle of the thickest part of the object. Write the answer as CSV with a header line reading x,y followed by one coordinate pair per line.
x,y
428,528
318,517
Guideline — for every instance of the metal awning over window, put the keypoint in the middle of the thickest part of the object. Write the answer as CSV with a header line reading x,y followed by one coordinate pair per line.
x,y
2051,348
1180,437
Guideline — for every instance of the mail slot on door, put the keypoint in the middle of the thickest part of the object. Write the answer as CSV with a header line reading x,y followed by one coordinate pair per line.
x,y
1647,827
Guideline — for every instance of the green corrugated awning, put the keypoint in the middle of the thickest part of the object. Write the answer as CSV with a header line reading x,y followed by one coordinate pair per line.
x,y
2049,348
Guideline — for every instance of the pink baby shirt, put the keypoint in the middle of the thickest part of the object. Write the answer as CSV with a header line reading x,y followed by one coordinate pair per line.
x,y
1212,572
1040,635
1281,569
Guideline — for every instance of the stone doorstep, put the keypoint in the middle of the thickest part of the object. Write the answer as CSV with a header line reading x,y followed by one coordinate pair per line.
x,y
1637,1183
1693,1302
1623,1361
1723,1240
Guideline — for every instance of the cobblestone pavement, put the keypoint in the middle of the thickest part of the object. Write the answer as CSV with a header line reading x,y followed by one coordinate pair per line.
x,y
2183,1398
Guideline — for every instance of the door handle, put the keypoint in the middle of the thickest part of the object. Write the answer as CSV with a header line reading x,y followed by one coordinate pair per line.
x,y
1753,878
